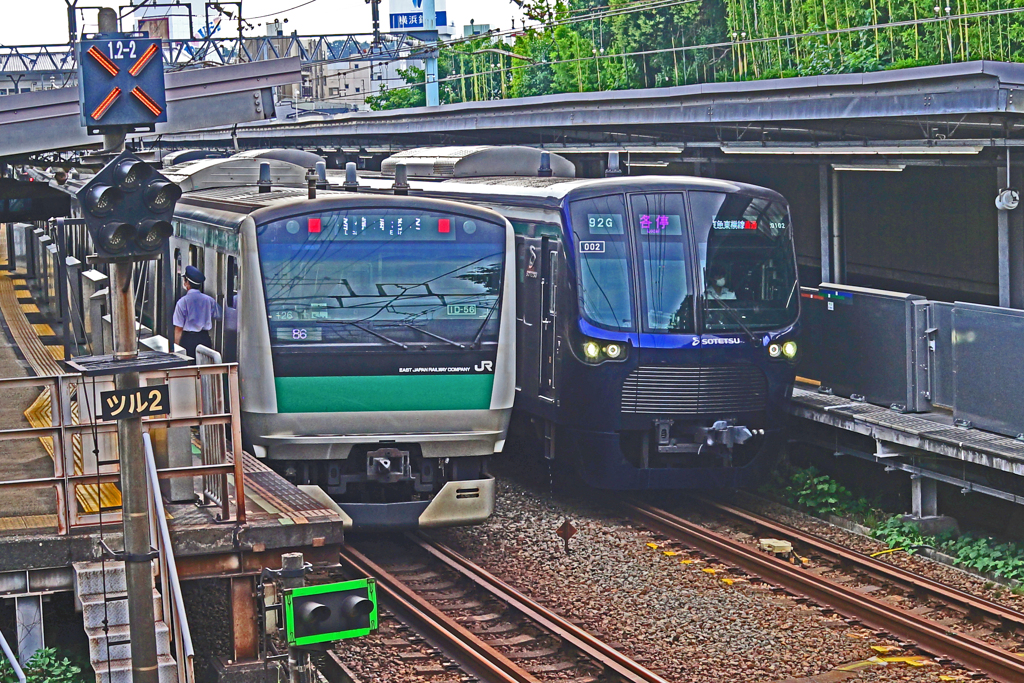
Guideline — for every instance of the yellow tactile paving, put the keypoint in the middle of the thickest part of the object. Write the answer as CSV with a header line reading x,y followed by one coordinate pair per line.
x,y
39,415
16,281
43,360
27,522
43,330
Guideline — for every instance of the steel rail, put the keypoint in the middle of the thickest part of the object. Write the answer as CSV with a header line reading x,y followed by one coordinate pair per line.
x,y
921,585
482,659
613,660
928,635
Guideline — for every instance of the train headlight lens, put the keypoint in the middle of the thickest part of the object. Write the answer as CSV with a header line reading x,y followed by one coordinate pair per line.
x,y
789,349
591,350
774,350
613,350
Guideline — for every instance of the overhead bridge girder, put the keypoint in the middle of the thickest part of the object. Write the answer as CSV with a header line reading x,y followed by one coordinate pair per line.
x,y
48,120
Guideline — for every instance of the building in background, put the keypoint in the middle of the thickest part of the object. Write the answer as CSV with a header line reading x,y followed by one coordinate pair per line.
x,y
475,29
175,22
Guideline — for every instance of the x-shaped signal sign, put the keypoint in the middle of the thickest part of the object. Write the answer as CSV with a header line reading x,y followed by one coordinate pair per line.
x,y
110,67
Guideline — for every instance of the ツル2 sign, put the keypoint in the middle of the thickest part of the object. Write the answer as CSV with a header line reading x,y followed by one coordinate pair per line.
x,y
129,403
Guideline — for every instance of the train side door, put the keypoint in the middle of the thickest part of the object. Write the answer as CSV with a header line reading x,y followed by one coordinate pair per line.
x,y
529,350
549,313
520,303
230,310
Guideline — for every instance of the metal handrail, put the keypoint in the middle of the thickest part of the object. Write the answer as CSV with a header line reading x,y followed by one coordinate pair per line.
x,y
12,659
59,426
169,571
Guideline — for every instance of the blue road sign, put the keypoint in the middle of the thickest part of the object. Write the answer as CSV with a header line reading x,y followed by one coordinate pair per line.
x,y
121,82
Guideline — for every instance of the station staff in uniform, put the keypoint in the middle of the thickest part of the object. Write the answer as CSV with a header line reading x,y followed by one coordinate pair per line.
x,y
194,313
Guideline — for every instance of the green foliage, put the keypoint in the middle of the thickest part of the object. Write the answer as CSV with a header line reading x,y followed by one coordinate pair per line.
x,y
1005,560
401,98
982,554
46,667
710,41
898,533
821,494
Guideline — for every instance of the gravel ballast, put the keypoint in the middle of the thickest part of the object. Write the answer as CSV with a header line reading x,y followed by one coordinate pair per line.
x,y
688,619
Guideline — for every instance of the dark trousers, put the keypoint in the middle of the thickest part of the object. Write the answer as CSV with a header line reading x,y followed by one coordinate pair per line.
x,y
190,340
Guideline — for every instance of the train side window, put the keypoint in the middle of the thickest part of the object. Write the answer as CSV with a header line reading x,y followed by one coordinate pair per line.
x,y
179,270
232,282
534,229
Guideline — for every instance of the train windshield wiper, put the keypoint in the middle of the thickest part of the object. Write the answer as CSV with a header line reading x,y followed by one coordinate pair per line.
x,y
435,336
367,331
733,314
480,330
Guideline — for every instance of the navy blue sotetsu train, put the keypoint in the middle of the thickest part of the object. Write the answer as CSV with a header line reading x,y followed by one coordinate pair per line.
x,y
656,315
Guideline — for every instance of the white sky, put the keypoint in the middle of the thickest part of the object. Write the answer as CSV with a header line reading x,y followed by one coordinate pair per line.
x,y
35,22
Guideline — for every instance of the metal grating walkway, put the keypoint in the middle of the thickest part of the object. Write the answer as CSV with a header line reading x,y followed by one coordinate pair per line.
x,y
931,432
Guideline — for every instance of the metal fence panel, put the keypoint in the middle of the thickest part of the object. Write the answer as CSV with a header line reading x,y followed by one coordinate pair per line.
x,y
869,343
986,350
941,321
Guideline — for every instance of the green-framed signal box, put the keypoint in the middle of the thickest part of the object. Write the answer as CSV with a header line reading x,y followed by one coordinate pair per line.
x,y
329,612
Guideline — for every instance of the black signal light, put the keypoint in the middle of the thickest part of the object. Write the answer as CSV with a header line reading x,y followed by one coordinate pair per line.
x,y
128,207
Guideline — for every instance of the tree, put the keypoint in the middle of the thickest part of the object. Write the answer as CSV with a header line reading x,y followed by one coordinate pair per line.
x,y
591,45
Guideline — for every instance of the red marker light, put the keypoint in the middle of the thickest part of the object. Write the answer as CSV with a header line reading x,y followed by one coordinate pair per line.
x,y
444,225
314,225
143,60
99,111
103,61
750,225
147,101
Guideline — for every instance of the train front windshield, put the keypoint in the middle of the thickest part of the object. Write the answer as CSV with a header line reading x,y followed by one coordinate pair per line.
x,y
746,263
742,276
387,279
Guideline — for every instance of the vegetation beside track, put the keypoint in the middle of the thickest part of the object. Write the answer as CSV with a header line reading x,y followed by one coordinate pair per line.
x,y
596,45
818,494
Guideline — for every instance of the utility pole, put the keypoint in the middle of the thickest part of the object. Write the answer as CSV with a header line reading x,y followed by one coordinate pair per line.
x,y
375,14
72,20
430,26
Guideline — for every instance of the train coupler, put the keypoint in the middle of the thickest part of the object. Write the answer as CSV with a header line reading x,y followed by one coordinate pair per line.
x,y
721,433
388,465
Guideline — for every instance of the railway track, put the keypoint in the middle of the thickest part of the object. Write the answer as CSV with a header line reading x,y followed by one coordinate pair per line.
x,y
493,631
873,612
972,606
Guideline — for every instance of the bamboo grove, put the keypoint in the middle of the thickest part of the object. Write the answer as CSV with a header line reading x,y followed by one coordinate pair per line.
x,y
593,45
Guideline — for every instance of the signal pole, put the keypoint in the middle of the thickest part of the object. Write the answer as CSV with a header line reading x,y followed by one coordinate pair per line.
x,y
138,567
134,489
293,569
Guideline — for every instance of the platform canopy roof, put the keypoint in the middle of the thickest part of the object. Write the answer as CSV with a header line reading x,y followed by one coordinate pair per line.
x,y
945,109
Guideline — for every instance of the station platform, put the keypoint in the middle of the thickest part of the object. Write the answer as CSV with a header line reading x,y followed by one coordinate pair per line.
x,y
929,444
38,526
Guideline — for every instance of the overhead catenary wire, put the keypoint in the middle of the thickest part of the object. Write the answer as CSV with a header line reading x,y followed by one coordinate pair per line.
x,y
264,16
644,6
724,44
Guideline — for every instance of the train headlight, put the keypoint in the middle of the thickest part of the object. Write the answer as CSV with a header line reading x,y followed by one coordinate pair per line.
x,y
789,349
774,350
613,351
591,350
